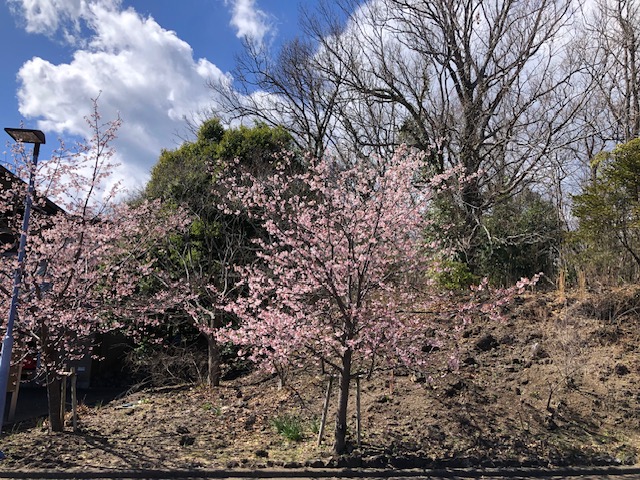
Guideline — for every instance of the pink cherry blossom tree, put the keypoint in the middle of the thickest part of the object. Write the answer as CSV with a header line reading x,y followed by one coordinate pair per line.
x,y
342,270
89,264
341,264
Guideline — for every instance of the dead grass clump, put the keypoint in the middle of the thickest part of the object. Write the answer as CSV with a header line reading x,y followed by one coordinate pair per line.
x,y
613,306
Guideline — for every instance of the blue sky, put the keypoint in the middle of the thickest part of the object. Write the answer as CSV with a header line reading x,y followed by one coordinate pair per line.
x,y
149,60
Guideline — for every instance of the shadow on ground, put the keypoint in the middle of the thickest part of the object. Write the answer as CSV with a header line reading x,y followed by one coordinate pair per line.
x,y
31,406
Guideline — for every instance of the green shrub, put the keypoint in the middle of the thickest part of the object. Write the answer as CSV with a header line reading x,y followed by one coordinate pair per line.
x,y
289,426
608,211
455,275
315,425
519,236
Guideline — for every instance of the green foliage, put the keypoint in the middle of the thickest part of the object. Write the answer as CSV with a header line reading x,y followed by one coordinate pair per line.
x,y
454,275
523,237
608,210
520,236
209,407
186,177
187,174
315,425
254,147
180,175
215,243
211,131
289,426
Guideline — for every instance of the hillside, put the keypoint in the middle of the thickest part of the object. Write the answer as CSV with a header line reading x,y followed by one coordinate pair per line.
x,y
556,384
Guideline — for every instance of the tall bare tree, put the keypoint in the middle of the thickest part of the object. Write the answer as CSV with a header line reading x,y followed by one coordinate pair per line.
x,y
614,30
294,88
285,90
490,84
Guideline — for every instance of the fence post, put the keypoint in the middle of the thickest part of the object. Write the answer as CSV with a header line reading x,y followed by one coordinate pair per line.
x,y
74,398
323,420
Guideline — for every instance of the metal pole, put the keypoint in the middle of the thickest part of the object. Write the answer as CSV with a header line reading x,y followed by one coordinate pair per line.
x,y
7,341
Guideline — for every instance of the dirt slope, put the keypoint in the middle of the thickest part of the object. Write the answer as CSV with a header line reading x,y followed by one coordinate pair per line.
x,y
554,385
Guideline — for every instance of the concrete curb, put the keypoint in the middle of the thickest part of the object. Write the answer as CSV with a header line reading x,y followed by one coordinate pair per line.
x,y
599,472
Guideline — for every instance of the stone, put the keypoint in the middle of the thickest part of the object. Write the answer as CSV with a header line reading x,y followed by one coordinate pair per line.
x,y
249,422
486,343
260,453
181,429
621,370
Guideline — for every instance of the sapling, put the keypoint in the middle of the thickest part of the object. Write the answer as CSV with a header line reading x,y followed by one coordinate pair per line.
x,y
341,270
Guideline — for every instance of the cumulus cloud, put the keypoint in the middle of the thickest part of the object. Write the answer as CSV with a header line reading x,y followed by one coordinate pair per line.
x,y
249,21
140,71
56,17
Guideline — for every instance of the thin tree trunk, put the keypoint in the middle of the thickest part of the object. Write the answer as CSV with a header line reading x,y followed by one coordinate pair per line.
x,y
340,443
54,385
214,371
54,395
74,398
358,423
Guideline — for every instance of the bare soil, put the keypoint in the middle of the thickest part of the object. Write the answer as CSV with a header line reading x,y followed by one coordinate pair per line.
x,y
554,385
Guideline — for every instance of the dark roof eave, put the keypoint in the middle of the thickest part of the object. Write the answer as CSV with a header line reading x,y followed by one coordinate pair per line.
x,y
50,208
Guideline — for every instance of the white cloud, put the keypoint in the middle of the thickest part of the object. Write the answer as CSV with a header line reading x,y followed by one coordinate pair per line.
x,y
51,17
142,72
250,22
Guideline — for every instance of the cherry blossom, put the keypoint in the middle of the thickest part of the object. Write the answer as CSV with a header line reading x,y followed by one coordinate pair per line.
x,y
89,266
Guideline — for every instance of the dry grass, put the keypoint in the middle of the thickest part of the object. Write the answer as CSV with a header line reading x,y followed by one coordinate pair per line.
x,y
557,387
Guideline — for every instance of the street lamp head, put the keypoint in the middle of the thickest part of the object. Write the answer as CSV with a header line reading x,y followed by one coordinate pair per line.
x,y
26,135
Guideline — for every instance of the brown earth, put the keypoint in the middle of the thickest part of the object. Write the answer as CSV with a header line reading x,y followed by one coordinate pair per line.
x,y
554,385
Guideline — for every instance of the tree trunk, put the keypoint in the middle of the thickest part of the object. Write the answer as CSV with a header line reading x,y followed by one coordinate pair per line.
x,y
214,371
471,218
54,396
340,443
54,383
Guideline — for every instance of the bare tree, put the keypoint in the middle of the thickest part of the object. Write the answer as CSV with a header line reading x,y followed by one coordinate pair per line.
x,y
489,82
490,85
302,88
614,30
285,90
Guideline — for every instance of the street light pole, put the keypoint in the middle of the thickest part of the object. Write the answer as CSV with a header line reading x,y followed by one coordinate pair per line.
x,y
36,137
